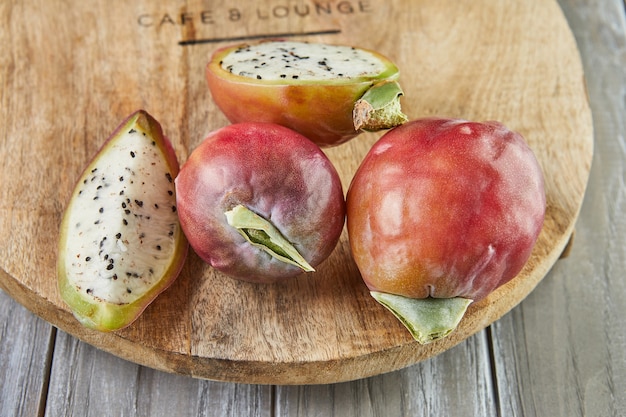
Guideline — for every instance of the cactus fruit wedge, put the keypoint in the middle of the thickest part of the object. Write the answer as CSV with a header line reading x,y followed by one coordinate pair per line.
x,y
120,243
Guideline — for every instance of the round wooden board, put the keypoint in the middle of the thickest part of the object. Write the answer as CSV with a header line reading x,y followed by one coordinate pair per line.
x,y
70,74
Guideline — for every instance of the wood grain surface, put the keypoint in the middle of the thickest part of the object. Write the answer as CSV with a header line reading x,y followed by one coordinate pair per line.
x,y
62,95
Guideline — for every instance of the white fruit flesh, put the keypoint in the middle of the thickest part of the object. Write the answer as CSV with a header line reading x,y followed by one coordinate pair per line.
x,y
290,61
122,229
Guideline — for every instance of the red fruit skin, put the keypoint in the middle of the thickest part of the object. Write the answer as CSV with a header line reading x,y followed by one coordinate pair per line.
x,y
275,172
445,208
320,111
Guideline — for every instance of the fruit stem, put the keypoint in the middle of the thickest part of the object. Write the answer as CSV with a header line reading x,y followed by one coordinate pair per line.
x,y
261,233
379,108
428,319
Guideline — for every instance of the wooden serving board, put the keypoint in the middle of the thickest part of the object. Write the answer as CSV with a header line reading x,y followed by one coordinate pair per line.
x,y
71,73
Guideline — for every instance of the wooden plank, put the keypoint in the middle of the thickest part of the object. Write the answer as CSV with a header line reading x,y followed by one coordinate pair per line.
x,y
87,381
562,351
456,383
25,348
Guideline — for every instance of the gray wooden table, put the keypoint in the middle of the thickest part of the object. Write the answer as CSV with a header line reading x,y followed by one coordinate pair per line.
x,y
561,352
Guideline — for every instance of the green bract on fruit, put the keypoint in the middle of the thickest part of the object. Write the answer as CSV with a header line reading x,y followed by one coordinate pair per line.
x,y
328,93
440,213
260,202
121,243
